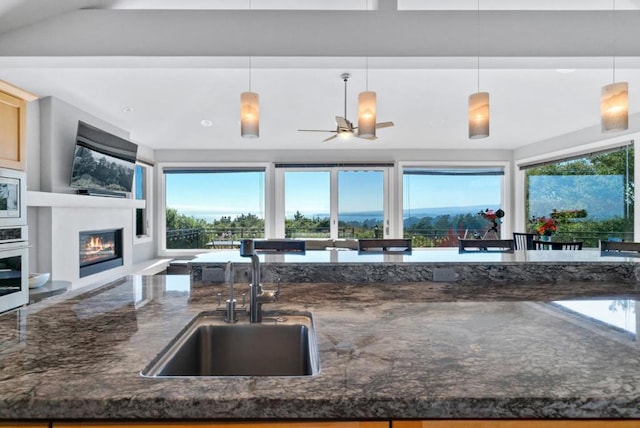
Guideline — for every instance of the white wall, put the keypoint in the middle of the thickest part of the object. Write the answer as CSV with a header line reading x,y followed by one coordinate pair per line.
x,y
58,128
54,231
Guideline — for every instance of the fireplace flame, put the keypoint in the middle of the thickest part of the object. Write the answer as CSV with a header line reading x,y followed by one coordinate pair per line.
x,y
95,247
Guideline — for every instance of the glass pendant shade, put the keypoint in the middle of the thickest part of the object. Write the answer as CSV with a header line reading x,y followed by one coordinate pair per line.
x,y
479,115
249,115
614,107
367,114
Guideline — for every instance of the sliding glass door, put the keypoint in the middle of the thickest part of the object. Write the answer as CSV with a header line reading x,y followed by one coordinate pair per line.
x,y
360,203
337,202
307,199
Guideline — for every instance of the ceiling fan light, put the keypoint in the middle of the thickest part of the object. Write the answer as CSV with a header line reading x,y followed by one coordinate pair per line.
x,y
367,114
479,115
249,115
614,107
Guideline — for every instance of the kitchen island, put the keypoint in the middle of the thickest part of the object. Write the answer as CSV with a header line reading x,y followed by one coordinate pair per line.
x,y
424,264
388,351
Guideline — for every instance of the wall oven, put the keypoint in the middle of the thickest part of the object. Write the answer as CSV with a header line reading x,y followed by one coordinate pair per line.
x,y
14,252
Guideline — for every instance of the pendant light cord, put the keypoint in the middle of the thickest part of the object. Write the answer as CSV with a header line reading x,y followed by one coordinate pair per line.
x,y
250,8
478,43
345,97
613,42
366,58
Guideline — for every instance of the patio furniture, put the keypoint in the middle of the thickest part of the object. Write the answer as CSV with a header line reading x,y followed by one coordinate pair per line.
x,y
280,245
618,247
385,245
556,245
524,241
496,245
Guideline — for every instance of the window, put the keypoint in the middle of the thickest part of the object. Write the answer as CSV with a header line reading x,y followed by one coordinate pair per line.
x,y
441,205
307,199
213,208
334,201
360,203
142,191
591,197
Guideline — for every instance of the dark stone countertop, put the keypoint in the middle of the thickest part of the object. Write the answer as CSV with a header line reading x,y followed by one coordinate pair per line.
x,y
387,351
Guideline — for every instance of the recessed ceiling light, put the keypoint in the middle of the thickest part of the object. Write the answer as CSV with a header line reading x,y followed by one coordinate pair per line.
x,y
127,109
565,70
206,123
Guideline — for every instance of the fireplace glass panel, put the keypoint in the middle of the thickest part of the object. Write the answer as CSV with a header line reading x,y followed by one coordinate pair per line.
x,y
100,250
96,247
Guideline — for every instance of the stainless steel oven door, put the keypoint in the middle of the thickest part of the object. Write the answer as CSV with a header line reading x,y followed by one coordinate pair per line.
x,y
14,275
13,197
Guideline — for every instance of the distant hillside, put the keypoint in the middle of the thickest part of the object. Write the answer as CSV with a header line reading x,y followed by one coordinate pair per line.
x,y
361,216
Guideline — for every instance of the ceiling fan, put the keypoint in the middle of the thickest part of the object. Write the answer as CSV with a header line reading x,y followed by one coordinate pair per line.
x,y
344,126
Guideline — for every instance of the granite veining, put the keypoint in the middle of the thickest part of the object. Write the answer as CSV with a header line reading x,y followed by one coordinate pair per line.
x,y
387,351
422,265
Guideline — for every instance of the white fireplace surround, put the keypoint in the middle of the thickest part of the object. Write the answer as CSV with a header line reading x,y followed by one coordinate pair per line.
x,y
61,218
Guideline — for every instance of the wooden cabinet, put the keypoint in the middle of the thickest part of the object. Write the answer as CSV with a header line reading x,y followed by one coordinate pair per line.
x,y
24,425
353,424
13,125
517,424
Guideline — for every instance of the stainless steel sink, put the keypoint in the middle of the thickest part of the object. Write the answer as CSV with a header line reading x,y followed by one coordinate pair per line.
x,y
285,345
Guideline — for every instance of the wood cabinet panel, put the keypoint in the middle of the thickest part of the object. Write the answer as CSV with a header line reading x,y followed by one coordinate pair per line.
x,y
12,147
350,424
13,125
517,424
23,425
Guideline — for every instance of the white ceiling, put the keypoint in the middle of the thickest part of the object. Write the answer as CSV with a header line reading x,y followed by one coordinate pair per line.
x,y
174,68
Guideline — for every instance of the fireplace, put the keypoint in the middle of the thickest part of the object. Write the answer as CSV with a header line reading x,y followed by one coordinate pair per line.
x,y
100,250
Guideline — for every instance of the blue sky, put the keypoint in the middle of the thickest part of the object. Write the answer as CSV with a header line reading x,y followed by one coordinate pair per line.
x,y
432,191
213,195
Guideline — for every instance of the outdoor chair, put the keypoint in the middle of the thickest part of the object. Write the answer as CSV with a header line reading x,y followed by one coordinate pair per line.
x,y
280,245
524,241
557,245
496,245
619,248
385,245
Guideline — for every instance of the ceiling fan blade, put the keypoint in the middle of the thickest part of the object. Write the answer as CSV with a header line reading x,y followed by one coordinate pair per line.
x,y
383,125
316,130
342,122
330,138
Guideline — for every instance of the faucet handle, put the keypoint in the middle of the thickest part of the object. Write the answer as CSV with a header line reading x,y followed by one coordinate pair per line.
x,y
219,297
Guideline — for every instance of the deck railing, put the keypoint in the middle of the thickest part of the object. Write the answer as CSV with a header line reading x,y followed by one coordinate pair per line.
x,y
201,238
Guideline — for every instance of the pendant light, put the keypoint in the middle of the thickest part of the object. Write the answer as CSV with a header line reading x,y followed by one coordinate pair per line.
x,y
367,99
614,98
249,110
478,102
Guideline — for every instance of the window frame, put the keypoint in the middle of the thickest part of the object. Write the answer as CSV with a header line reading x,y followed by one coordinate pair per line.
x,y
333,170
162,250
519,179
506,202
148,169
586,151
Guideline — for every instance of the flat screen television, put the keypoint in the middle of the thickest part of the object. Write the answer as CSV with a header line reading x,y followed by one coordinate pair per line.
x,y
103,163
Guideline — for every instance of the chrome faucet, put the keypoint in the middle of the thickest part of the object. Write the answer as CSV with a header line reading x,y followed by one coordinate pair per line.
x,y
257,296
231,301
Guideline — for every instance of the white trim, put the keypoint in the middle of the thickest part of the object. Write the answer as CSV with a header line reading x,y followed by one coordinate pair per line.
x,y
610,143
506,200
161,198
333,197
70,200
149,207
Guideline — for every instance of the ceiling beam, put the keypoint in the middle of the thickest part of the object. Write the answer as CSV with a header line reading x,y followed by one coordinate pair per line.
x,y
326,34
